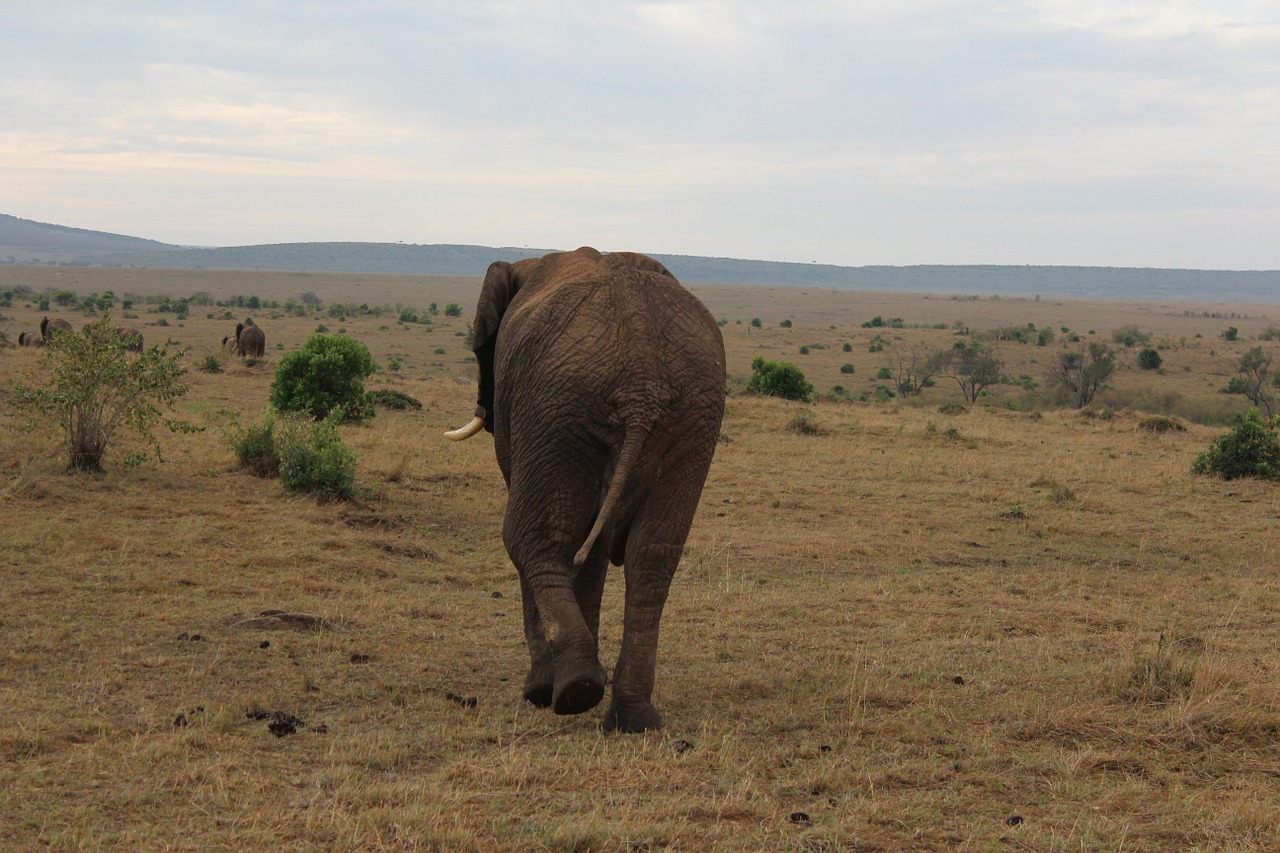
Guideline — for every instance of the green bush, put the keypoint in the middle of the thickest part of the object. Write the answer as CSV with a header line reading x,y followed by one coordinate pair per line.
x,y
847,368
1149,359
314,459
1251,449
255,447
779,379
323,377
390,399
98,388
1161,423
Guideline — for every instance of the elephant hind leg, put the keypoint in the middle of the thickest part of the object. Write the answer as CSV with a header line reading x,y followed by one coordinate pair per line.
x,y
539,684
565,671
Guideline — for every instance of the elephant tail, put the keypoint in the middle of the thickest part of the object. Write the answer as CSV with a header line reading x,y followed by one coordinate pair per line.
x,y
627,458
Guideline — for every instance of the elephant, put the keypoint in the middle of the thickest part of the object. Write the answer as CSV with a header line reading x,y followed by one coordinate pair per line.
x,y
249,340
602,381
48,327
30,339
131,338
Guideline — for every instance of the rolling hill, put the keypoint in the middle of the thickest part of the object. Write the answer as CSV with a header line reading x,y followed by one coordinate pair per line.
x,y
23,241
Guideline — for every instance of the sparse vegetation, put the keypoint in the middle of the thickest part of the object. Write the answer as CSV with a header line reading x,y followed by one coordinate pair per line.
x,y
906,638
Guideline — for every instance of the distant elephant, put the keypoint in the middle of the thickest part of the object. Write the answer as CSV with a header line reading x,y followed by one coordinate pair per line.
x,y
131,338
249,340
603,382
48,327
30,339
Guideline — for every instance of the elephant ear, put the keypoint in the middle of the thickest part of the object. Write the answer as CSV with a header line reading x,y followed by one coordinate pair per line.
x,y
500,285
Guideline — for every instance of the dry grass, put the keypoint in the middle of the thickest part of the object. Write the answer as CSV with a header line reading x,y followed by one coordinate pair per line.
x,y
866,648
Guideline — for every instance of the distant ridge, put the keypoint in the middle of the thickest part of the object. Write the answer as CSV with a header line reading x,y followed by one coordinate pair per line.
x,y
23,241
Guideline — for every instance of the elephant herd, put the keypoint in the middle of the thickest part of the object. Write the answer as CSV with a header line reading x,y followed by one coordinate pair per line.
x,y
249,339
131,337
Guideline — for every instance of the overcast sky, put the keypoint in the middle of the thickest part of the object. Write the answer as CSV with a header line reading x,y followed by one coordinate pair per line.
x,y
892,132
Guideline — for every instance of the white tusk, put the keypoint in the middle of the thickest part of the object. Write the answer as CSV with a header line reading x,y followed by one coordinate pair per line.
x,y
463,433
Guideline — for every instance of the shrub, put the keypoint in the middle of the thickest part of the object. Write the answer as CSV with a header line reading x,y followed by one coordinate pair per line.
x,y
255,447
98,388
1130,335
779,379
210,364
314,459
324,376
847,348
1161,423
952,409
390,399
847,368
804,423
1251,449
786,324
1149,359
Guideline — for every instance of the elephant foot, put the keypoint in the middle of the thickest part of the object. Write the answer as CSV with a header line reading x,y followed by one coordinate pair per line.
x,y
632,717
539,686
578,688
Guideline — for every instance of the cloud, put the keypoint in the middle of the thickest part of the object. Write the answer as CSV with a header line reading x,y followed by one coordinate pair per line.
x,y
815,130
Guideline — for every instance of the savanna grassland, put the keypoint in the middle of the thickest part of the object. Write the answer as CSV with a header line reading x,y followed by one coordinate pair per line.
x,y
1013,627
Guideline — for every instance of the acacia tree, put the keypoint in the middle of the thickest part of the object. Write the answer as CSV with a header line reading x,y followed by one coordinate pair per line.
x,y
97,388
1259,379
1081,373
914,369
973,367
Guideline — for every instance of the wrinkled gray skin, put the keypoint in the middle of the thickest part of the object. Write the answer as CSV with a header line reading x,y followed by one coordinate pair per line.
x,y
249,340
48,327
30,339
602,381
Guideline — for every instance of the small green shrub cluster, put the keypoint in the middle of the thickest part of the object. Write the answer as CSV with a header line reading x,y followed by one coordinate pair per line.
x,y
314,459
1149,359
779,379
1161,423
390,399
1251,449
255,447
325,375
307,455
805,423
